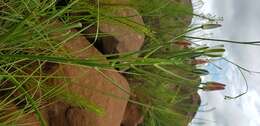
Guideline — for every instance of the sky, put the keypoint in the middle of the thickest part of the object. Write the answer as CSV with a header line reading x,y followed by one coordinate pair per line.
x,y
241,21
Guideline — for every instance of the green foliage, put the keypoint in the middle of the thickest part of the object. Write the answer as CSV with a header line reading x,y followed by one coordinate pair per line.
x,y
168,18
27,42
33,31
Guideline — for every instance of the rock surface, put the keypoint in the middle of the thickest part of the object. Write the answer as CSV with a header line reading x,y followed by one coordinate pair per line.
x,y
92,85
113,1
29,120
98,87
133,115
120,37
126,38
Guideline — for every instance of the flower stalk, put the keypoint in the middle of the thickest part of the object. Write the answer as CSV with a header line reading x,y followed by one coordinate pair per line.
x,y
210,26
183,43
198,61
212,86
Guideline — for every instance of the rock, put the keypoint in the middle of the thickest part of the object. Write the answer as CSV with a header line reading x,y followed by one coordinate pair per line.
x,y
92,85
9,114
121,37
133,115
195,101
126,38
76,117
187,2
57,114
113,1
29,120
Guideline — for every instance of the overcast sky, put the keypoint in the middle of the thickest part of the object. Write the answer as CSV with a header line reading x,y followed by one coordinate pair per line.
x,y
241,22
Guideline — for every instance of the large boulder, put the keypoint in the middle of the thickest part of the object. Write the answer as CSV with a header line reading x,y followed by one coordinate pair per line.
x,y
133,115
121,37
125,37
105,88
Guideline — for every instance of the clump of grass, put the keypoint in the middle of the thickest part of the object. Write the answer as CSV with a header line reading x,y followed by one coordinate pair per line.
x,y
168,86
28,41
166,17
162,77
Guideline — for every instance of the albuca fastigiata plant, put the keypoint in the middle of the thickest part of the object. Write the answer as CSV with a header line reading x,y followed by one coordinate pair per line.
x,y
30,38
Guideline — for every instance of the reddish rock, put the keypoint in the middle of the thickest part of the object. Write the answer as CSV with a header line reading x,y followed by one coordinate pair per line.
x,y
92,85
113,1
127,39
56,113
121,36
133,115
30,119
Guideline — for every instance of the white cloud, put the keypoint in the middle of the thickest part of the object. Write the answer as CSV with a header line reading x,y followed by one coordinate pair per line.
x,y
241,22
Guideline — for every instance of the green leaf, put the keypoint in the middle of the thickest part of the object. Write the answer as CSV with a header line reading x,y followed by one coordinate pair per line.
x,y
200,71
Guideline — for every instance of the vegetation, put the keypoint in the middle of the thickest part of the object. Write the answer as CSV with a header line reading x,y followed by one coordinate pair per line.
x,y
163,77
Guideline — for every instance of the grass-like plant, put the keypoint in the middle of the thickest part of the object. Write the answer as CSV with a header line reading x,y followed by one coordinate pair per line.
x,y
162,76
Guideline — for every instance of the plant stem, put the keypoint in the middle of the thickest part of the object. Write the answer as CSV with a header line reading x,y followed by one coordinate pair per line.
x,y
256,43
